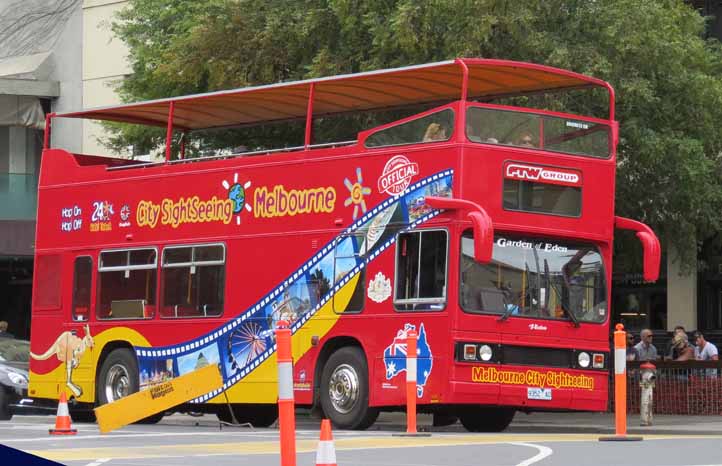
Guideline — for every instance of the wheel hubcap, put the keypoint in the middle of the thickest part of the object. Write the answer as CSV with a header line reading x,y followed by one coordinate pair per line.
x,y
343,388
117,383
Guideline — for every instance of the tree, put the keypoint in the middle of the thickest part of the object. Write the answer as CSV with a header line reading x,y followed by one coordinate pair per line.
x,y
666,75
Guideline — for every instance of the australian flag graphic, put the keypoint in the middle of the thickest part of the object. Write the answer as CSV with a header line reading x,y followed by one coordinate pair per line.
x,y
395,357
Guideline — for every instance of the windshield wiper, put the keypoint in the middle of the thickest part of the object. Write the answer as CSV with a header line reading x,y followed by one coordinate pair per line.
x,y
509,308
571,315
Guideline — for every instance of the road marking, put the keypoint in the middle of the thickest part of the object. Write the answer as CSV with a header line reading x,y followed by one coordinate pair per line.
x,y
273,435
543,453
309,446
98,462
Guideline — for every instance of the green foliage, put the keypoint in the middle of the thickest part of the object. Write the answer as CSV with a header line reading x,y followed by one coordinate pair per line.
x,y
665,74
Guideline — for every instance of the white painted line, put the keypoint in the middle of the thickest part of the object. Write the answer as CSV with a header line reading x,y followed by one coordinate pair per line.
x,y
543,453
98,462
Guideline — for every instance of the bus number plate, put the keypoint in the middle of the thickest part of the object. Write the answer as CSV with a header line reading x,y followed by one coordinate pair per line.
x,y
539,393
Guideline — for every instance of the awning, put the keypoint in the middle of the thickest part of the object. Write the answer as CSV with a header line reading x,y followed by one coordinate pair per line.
x,y
21,111
374,90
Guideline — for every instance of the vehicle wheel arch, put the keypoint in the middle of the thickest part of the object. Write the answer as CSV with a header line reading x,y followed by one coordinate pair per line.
x,y
329,347
104,352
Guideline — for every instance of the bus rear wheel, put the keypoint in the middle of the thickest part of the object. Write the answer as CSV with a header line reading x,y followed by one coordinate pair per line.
x,y
486,419
345,390
256,415
119,378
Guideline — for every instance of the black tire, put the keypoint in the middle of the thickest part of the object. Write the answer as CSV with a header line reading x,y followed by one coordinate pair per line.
x,y
486,419
345,390
443,419
82,415
5,412
119,378
256,415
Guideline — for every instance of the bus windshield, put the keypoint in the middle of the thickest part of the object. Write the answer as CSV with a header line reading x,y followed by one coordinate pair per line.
x,y
534,277
577,136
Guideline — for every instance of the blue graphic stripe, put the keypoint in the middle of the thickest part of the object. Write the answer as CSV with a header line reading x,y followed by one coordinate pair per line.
x,y
259,306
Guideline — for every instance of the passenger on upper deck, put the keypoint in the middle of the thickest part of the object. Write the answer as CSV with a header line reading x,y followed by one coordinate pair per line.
x,y
525,140
435,132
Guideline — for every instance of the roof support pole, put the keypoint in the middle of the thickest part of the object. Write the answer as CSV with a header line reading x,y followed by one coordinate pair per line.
x,y
464,79
183,145
461,118
309,117
46,134
169,131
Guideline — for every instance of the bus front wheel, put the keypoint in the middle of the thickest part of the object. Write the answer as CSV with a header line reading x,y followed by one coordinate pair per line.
x,y
119,378
486,419
345,390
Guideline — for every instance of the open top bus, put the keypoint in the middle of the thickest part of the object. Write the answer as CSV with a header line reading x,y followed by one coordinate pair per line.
x,y
483,224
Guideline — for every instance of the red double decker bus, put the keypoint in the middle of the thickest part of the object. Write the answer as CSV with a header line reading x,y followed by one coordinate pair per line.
x,y
485,226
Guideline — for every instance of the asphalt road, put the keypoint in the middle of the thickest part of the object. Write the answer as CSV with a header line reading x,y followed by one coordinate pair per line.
x,y
183,440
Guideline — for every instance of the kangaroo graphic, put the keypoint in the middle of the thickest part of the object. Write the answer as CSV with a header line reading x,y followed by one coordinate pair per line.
x,y
69,348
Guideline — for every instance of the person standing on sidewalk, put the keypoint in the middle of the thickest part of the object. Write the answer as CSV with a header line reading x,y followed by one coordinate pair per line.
x,y
684,349
704,350
671,352
631,351
646,351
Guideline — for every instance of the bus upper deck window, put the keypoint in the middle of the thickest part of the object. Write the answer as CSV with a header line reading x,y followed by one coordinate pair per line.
x,y
434,127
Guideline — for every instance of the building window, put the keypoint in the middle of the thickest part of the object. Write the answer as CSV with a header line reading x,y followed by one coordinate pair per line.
x,y
193,279
421,263
127,284
81,288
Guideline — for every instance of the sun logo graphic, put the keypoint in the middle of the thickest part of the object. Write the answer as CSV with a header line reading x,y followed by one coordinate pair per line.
x,y
237,194
356,194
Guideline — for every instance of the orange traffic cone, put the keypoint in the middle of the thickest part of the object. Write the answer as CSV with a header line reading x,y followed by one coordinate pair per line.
x,y
62,420
326,452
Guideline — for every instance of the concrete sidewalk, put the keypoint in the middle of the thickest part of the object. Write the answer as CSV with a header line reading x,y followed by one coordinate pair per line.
x,y
536,423
603,423
573,423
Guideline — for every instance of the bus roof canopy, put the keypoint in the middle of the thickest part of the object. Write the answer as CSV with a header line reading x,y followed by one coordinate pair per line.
x,y
373,90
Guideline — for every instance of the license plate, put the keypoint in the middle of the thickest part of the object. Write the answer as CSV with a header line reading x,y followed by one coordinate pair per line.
x,y
539,393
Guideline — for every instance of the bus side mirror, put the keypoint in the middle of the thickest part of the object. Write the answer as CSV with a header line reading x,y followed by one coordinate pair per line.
x,y
650,246
480,221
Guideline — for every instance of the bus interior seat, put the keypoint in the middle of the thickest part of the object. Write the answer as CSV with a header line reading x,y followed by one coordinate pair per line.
x,y
127,308
491,299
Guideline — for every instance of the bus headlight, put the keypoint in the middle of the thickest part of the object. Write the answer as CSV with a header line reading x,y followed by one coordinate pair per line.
x,y
485,352
584,359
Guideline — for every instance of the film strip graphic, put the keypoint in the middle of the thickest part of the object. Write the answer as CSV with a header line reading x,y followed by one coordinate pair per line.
x,y
257,310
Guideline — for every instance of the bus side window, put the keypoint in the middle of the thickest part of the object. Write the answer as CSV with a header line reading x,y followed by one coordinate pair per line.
x,y
127,284
193,281
421,270
82,277
346,258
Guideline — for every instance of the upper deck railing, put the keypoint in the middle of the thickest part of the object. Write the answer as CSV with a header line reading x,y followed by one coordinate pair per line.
x,y
447,81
